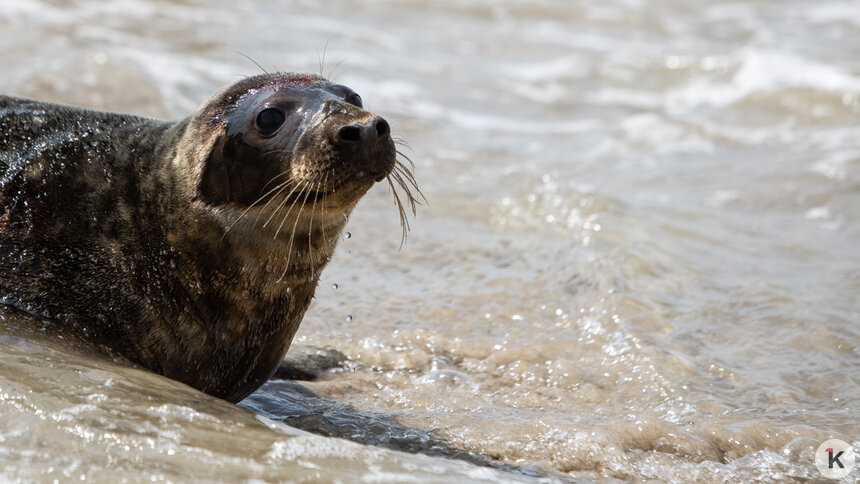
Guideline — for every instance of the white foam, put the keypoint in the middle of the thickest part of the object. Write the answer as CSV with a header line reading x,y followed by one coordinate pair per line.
x,y
761,71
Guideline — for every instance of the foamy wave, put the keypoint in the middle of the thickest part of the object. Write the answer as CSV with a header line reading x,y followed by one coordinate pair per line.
x,y
762,71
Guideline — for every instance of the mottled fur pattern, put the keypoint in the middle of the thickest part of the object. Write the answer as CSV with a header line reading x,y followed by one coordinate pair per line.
x,y
132,230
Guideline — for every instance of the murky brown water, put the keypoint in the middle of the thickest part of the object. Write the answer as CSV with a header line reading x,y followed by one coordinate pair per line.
x,y
640,259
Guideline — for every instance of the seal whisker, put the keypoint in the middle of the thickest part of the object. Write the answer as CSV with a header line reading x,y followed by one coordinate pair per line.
x,y
410,197
293,233
292,206
310,228
406,172
252,60
280,206
399,168
324,207
404,222
401,142
283,173
276,152
279,187
405,182
322,59
332,77
405,157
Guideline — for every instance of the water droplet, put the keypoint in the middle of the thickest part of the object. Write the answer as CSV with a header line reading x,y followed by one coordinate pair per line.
x,y
347,235
334,286
348,318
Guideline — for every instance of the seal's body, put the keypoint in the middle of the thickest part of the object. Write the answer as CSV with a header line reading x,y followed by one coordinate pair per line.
x,y
192,248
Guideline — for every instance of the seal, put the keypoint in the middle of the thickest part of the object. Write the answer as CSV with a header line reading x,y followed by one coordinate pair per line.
x,y
191,248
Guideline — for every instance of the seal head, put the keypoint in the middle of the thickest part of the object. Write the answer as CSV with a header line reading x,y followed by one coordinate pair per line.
x,y
302,128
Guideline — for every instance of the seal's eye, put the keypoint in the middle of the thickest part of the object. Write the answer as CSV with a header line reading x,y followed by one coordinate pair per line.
x,y
269,120
354,99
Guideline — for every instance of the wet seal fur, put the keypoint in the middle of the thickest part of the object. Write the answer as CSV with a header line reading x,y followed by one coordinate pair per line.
x,y
192,248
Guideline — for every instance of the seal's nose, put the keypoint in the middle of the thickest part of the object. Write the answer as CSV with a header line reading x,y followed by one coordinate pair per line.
x,y
367,146
351,136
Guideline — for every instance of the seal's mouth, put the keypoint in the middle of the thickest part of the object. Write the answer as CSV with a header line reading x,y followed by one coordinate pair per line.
x,y
360,180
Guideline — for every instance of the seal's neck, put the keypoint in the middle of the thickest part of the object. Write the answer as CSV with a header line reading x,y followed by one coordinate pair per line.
x,y
239,296
274,256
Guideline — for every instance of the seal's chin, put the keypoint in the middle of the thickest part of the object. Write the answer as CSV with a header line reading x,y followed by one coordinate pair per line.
x,y
346,191
368,177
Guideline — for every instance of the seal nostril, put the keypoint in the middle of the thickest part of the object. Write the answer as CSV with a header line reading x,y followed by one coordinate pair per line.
x,y
382,128
350,134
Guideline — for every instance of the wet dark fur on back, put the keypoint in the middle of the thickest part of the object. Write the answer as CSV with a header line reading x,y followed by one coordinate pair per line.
x,y
193,248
